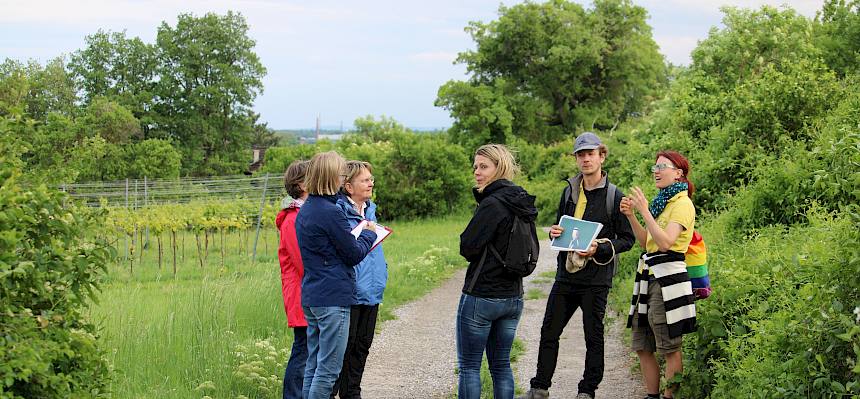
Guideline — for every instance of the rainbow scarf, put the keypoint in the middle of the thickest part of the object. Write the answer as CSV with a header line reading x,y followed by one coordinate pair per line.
x,y
696,259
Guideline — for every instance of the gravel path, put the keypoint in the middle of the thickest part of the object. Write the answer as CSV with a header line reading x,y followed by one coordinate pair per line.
x,y
415,355
617,379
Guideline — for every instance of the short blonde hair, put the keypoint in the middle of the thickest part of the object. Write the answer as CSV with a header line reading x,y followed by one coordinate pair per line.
x,y
324,172
353,168
501,156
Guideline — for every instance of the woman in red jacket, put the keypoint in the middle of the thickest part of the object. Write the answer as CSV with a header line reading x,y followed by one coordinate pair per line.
x,y
292,271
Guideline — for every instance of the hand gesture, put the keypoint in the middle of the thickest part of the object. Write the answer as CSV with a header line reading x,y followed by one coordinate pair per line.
x,y
555,231
592,249
626,206
640,203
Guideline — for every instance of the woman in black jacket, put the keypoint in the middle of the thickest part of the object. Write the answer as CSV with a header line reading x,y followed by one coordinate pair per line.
x,y
492,298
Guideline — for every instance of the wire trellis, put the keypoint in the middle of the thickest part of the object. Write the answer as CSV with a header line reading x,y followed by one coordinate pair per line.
x,y
136,193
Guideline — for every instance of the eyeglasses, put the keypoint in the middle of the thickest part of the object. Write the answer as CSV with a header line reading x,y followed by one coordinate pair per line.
x,y
660,167
366,181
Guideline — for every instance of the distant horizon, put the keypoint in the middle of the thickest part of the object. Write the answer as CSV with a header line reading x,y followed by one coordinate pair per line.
x,y
352,128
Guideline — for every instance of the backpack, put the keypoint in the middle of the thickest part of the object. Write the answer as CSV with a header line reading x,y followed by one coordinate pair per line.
x,y
523,250
611,192
696,259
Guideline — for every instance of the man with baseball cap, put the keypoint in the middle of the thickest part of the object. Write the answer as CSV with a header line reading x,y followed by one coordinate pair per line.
x,y
588,196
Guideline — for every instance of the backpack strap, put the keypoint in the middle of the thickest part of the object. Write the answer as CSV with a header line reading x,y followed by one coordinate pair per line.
x,y
611,190
611,193
478,269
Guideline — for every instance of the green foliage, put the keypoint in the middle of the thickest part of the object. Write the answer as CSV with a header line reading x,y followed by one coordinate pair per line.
x,y
121,69
838,35
152,158
111,121
544,70
782,314
48,274
417,175
752,40
208,80
481,113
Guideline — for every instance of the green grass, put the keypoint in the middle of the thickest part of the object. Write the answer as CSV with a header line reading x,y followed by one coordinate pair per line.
x,y
550,274
535,293
221,331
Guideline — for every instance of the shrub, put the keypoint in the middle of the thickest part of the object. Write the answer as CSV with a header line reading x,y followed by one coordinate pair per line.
x,y
417,175
48,274
782,315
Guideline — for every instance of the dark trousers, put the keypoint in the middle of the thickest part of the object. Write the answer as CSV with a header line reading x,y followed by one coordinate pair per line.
x,y
362,323
563,301
294,374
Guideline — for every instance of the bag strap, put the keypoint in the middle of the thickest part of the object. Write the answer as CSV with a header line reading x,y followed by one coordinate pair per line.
x,y
478,269
610,200
599,240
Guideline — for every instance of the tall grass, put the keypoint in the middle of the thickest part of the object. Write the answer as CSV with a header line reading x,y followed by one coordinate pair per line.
x,y
221,332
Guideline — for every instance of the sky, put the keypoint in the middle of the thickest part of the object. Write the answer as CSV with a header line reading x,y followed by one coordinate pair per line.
x,y
337,60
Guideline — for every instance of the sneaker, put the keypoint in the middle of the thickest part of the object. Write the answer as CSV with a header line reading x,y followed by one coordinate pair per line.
x,y
535,393
583,395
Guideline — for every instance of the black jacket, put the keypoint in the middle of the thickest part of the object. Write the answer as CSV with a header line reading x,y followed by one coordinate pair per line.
x,y
492,223
618,230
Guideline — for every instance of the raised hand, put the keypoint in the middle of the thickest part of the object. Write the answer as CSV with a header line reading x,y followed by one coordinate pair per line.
x,y
640,203
626,206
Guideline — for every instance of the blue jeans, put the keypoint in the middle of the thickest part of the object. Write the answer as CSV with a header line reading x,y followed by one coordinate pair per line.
x,y
486,324
328,331
294,375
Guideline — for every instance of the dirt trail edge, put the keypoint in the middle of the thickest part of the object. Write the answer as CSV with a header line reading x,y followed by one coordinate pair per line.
x,y
415,355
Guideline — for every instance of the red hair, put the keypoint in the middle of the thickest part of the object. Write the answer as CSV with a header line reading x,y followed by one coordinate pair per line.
x,y
682,163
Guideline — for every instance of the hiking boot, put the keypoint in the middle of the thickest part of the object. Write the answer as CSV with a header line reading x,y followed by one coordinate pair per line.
x,y
536,393
583,395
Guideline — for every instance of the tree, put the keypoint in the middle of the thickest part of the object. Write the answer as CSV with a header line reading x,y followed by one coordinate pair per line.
x,y
555,67
752,40
52,265
208,80
120,69
838,35
14,86
111,121
261,135
37,90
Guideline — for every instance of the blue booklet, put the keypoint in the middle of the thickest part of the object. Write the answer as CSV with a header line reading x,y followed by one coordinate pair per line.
x,y
577,235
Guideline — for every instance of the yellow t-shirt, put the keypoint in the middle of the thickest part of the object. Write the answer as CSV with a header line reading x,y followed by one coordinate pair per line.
x,y
680,210
580,202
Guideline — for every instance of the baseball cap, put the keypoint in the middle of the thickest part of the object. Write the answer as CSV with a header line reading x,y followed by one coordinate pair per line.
x,y
586,141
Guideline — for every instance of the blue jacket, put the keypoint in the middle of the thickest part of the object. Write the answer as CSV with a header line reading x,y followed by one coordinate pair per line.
x,y
372,273
329,252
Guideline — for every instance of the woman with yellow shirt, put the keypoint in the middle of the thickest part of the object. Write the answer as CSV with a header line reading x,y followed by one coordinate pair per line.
x,y
662,309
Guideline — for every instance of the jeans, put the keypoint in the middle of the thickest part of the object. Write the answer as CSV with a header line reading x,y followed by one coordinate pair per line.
x,y
486,324
294,374
362,324
562,303
328,330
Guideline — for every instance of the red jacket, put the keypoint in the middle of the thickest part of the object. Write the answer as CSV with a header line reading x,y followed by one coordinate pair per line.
x,y
292,269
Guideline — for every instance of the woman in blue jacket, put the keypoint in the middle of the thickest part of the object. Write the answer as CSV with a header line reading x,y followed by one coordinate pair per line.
x,y
370,275
329,252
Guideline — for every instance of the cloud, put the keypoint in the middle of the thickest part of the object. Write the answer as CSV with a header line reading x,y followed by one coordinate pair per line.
x,y
804,7
677,49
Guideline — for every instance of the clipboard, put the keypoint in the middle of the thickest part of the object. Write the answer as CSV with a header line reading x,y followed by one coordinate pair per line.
x,y
577,236
382,232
